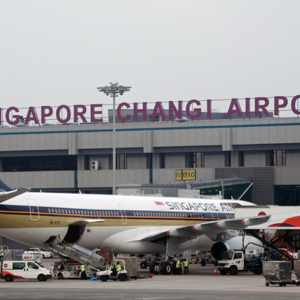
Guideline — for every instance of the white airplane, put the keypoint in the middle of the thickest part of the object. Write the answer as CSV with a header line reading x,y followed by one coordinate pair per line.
x,y
126,224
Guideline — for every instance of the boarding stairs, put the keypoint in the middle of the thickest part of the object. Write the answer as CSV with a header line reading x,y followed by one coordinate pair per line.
x,y
285,255
287,249
80,254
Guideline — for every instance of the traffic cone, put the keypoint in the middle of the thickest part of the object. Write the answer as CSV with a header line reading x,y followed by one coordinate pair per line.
x,y
215,271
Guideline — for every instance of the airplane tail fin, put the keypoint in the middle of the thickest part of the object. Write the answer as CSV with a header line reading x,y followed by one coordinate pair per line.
x,y
4,187
7,193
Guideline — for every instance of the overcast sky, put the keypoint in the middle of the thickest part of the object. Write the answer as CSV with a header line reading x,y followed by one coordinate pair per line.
x,y
59,52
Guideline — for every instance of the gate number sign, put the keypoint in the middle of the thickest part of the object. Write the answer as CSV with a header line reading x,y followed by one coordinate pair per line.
x,y
185,174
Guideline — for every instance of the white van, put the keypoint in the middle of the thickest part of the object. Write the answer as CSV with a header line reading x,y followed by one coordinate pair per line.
x,y
12,269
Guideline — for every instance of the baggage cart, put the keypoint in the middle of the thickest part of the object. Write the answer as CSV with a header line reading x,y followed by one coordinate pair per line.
x,y
279,272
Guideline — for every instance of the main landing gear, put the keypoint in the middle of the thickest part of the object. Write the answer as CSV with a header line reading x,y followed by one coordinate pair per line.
x,y
165,268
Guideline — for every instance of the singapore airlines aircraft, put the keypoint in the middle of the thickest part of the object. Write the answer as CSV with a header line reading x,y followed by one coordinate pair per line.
x,y
126,224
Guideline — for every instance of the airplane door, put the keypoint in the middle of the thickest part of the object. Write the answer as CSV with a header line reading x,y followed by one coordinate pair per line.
x,y
214,216
33,209
123,214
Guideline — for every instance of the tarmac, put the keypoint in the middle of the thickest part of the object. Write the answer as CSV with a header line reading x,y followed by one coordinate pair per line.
x,y
200,284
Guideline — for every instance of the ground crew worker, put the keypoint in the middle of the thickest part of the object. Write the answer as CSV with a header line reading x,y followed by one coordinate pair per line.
x,y
119,267
1,251
59,239
113,268
178,267
83,274
186,267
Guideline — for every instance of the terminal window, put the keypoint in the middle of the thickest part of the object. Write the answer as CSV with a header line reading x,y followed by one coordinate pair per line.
x,y
39,163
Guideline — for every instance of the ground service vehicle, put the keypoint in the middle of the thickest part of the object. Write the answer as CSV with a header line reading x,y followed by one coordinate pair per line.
x,y
12,269
246,260
128,269
69,268
42,252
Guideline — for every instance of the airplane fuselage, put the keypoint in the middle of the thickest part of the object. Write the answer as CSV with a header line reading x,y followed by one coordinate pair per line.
x,y
32,218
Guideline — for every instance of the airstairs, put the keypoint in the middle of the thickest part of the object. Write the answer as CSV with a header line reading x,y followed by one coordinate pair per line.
x,y
80,254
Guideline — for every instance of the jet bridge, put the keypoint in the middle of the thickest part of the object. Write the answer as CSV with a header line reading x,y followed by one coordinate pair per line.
x,y
80,254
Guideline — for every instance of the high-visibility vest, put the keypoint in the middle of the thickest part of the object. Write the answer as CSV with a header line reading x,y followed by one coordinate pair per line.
x,y
186,263
178,264
119,268
82,268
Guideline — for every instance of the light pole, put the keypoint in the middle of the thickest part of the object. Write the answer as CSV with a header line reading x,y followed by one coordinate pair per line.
x,y
113,90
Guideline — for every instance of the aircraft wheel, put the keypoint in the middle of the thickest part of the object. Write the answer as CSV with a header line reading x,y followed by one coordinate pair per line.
x,y
143,264
154,268
267,283
166,268
233,270
104,278
8,278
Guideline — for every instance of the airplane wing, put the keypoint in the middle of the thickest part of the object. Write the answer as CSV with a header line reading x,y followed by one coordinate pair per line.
x,y
213,228
13,193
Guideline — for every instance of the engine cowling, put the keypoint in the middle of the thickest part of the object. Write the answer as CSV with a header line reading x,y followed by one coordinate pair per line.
x,y
233,244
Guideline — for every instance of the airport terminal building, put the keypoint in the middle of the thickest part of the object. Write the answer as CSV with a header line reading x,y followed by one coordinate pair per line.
x,y
208,146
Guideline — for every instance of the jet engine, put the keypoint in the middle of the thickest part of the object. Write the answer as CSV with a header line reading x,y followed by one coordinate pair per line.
x,y
235,243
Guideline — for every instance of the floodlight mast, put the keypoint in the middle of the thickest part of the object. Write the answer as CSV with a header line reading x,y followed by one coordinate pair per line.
x,y
113,90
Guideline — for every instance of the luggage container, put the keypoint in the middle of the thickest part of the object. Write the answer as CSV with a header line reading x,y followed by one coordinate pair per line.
x,y
278,272
297,269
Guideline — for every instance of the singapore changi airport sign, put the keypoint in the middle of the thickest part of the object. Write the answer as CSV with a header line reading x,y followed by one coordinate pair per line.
x,y
81,113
